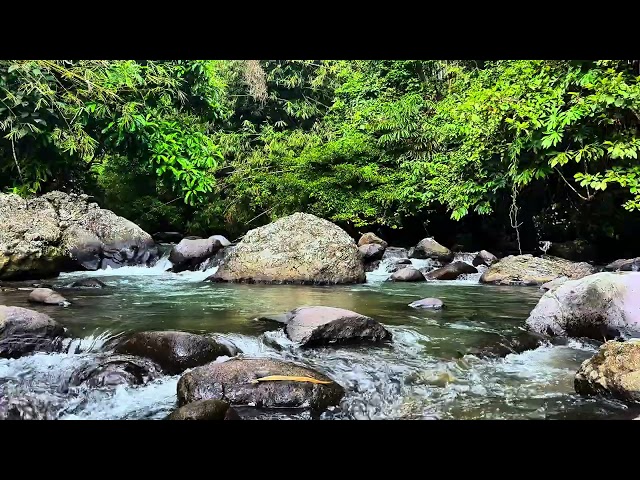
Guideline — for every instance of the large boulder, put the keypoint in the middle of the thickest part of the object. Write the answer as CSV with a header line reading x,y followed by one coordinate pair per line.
x,y
47,297
407,274
451,271
24,331
371,238
624,265
236,381
530,270
188,254
314,326
429,248
613,372
113,370
371,251
299,248
603,305
204,410
174,351
58,232
484,258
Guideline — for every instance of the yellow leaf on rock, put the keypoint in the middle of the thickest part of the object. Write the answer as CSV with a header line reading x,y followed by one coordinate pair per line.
x,y
271,378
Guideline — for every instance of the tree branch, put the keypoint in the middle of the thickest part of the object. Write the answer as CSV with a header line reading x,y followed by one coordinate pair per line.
x,y
586,199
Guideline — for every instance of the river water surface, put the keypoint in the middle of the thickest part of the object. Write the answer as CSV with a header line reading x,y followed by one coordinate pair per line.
x,y
423,374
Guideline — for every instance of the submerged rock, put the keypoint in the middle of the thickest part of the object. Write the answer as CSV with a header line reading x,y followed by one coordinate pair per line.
x,y
114,370
407,274
371,251
174,351
24,331
451,271
300,249
236,381
429,248
88,283
314,326
204,410
614,372
47,296
370,238
188,254
603,305
530,270
57,232
504,346
430,303
484,258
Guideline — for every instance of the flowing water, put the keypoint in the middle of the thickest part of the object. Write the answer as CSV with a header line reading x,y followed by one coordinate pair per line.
x,y
423,374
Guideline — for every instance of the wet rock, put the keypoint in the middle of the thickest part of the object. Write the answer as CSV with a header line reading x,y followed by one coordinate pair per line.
x,y
530,270
24,331
371,251
114,370
603,305
395,254
429,303
235,381
613,372
204,410
451,271
174,351
47,296
553,283
25,408
314,326
188,254
170,237
371,266
624,265
88,283
484,258
57,232
407,274
429,248
299,249
370,238
504,346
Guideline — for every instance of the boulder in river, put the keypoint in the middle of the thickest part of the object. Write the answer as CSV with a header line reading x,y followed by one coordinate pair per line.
x,y
114,370
484,258
188,254
24,331
315,326
56,232
428,303
624,265
603,305
451,271
613,372
238,382
204,410
429,248
530,270
299,249
174,351
407,274
371,251
47,296
370,238
88,283
553,283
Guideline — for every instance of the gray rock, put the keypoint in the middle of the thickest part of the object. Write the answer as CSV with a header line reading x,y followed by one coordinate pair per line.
x,y
395,254
429,248
114,370
204,410
429,303
47,297
530,270
236,381
603,305
553,284
24,331
407,274
484,258
188,254
371,251
451,271
88,283
624,265
370,238
299,249
174,351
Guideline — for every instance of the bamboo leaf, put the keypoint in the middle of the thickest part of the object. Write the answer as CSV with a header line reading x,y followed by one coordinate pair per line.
x,y
272,378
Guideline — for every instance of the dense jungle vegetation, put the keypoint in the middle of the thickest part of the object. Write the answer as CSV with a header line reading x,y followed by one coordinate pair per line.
x,y
475,152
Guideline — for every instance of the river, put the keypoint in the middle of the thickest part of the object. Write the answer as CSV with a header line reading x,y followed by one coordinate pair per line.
x,y
423,374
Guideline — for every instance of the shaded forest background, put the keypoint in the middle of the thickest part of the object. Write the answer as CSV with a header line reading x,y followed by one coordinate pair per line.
x,y
498,155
